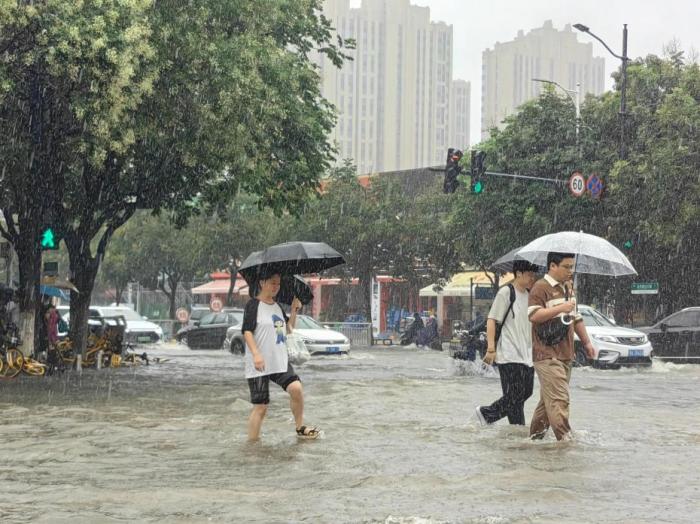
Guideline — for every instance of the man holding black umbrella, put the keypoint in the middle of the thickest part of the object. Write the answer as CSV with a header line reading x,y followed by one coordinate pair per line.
x,y
550,305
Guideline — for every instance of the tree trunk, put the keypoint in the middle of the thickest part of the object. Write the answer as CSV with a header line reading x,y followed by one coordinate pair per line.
x,y
173,282
231,286
29,259
119,293
83,272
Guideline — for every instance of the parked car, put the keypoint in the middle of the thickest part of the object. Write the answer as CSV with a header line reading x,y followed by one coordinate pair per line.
x,y
210,331
319,340
615,346
676,338
138,329
196,314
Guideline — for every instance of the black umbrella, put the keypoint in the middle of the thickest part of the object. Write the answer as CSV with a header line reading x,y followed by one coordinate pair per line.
x,y
291,286
290,258
505,263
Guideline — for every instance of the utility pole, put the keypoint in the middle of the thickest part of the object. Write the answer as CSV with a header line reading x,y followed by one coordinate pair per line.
x,y
623,84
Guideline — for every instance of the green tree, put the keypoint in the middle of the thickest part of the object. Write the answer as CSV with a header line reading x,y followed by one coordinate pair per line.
x,y
651,198
382,229
156,105
118,268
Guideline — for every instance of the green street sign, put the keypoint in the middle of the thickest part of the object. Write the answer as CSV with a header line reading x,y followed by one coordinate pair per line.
x,y
48,239
645,288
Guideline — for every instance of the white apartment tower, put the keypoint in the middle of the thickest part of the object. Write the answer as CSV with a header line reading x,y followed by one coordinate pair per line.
x,y
395,99
459,114
546,53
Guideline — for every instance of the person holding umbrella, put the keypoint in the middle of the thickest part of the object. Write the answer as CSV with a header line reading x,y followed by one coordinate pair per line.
x,y
551,303
265,326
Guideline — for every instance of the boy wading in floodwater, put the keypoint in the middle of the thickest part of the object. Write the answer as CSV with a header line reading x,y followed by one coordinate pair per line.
x,y
512,350
265,328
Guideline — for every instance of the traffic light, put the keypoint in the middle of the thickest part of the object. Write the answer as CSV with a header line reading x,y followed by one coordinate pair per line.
x,y
478,169
452,170
48,239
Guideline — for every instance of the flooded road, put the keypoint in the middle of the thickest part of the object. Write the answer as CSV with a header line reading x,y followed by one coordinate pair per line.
x,y
167,442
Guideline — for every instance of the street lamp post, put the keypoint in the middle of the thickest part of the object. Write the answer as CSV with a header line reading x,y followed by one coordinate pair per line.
x,y
623,88
576,101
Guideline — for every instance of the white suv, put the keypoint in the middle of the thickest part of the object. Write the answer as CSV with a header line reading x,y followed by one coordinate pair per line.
x,y
615,346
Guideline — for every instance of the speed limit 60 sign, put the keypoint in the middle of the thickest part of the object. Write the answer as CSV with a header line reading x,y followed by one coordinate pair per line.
x,y
577,184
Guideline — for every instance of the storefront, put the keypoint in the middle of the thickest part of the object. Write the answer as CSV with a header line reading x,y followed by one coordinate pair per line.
x,y
466,296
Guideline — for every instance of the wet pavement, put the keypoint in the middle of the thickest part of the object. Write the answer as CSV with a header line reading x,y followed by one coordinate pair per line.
x,y
400,443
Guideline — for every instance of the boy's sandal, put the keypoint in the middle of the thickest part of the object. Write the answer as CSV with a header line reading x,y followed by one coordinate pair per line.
x,y
308,432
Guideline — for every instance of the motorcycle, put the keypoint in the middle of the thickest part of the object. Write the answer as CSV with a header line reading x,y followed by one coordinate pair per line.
x,y
470,344
422,335
409,336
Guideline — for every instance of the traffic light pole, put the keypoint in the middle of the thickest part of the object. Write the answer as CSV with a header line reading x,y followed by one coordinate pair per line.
x,y
526,177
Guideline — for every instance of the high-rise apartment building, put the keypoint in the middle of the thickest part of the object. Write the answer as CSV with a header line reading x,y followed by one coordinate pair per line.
x,y
546,53
395,99
459,114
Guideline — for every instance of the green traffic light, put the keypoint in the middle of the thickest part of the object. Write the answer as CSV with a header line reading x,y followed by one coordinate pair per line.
x,y
628,244
48,239
478,187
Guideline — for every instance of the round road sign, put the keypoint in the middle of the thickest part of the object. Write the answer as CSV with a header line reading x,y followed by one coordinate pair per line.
x,y
577,184
216,305
182,315
595,185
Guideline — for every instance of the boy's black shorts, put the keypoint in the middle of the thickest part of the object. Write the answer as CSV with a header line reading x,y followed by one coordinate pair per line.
x,y
260,386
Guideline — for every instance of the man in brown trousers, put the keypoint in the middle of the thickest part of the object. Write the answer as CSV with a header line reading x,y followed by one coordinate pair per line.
x,y
550,298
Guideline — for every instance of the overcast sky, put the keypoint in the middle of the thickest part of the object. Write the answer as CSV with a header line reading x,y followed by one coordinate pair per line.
x,y
478,25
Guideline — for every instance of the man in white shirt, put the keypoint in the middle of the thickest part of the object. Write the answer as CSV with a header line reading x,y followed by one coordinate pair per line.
x,y
509,336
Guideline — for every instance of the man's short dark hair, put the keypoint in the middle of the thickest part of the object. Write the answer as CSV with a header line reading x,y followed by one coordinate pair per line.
x,y
555,257
522,266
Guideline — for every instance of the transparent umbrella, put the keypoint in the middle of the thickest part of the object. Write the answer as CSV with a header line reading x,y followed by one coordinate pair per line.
x,y
594,255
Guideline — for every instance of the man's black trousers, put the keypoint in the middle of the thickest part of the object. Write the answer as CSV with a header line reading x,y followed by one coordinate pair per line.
x,y
516,383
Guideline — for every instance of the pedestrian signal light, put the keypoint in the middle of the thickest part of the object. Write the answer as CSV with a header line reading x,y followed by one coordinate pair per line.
x,y
478,170
48,239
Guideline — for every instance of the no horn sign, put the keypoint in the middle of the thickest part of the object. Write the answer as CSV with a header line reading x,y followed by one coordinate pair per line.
x,y
594,185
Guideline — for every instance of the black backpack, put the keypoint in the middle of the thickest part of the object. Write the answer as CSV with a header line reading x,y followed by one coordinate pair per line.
x,y
499,325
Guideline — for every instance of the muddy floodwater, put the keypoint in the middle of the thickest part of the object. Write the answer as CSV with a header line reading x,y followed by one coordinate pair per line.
x,y
400,444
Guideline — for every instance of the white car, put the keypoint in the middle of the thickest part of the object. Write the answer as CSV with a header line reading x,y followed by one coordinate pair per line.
x,y
615,346
138,329
319,340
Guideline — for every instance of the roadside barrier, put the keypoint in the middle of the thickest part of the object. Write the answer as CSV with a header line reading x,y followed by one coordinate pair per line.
x,y
359,333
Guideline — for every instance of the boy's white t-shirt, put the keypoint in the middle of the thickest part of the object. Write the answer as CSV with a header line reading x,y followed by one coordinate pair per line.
x,y
515,344
270,336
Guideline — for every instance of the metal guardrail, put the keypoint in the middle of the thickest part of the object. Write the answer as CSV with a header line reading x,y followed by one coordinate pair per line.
x,y
170,327
359,333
